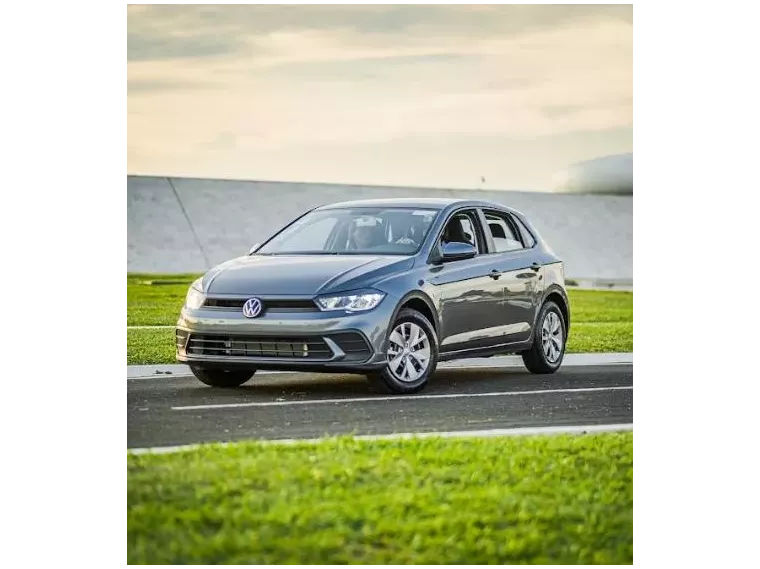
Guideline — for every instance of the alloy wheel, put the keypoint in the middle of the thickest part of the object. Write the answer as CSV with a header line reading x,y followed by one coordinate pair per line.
x,y
408,352
552,337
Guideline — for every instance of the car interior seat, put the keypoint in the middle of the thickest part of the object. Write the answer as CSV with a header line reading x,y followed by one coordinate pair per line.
x,y
500,239
455,233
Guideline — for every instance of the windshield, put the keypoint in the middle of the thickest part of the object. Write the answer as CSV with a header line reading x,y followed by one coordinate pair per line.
x,y
374,231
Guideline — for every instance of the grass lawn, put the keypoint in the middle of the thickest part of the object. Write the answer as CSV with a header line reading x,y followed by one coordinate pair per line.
x,y
602,321
544,499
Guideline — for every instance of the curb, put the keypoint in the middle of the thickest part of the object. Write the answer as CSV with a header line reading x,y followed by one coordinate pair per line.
x,y
167,371
518,431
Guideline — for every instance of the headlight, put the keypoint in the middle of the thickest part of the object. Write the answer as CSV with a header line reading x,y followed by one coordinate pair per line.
x,y
195,297
351,302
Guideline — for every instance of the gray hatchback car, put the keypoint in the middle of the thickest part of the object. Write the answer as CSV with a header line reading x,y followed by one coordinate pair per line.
x,y
386,288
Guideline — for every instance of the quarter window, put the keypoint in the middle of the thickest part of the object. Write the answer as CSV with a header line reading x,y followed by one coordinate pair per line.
x,y
526,236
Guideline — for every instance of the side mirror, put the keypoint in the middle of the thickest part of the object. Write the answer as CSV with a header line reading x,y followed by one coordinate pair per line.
x,y
253,249
456,251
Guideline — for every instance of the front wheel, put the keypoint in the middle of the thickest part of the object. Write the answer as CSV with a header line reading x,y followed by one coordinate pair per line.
x,y
548,350
222,377
412,355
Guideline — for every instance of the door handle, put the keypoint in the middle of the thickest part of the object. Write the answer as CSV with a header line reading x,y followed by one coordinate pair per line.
x,y
495,274
535,266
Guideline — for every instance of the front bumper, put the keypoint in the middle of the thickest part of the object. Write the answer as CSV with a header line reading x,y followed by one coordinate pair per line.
x,y
310,341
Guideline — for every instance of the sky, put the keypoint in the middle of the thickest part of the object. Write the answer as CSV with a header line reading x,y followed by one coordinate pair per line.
x,y
494,97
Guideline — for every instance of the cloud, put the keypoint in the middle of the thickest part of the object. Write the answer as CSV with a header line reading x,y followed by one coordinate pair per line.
x,y
204,80
157,33
317,87
182,31
367,18
137,86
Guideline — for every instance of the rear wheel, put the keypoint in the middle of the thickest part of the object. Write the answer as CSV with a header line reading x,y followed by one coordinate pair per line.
x,y
222,377
548,350
412,355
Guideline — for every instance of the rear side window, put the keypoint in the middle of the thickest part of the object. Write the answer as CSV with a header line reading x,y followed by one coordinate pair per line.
x,y
503,233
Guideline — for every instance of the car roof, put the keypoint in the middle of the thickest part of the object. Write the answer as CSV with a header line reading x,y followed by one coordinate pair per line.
x,y
432,203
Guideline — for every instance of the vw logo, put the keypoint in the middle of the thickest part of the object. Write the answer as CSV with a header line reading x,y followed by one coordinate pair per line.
x,y
252,308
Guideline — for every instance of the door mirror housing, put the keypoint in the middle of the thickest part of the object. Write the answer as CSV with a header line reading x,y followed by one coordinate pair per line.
x,y
253,249
456,251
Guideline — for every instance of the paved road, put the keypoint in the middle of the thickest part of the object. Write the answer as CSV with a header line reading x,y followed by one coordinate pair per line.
x,y
180,410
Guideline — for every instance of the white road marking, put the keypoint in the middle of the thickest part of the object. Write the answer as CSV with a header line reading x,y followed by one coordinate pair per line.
x,y
408,398
520,431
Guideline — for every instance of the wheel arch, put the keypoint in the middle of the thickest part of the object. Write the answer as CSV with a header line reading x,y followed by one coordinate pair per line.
x,y
422,303
556,294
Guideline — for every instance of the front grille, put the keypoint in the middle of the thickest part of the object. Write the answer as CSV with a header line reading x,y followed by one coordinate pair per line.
x,y
307,348
271,305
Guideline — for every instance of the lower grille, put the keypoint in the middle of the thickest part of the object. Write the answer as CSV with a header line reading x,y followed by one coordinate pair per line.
x,y
307,348
181,337
353,344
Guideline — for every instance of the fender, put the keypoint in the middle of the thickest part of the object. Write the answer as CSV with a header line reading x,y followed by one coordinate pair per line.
x,y
418,294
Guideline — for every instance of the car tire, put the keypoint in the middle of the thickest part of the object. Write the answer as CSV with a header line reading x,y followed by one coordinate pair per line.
x,y
549,341
414,364
222,377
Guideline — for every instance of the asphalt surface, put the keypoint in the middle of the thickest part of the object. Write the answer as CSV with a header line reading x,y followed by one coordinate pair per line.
x,y
170,411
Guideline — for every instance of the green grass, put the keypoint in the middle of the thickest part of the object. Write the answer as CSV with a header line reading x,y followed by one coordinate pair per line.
x,y
151,347
155,300
600,306
558,499
602,321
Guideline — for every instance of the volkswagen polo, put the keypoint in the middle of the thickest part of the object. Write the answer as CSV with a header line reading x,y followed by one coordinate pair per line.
x,y
385,288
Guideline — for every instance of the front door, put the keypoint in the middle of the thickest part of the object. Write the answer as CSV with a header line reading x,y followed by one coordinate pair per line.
x,y
470,297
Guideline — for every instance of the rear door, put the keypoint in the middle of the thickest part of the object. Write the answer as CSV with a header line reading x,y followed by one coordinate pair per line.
x,y
512,252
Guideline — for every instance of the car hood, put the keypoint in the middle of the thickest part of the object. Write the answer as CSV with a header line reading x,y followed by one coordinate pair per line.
x,y
302,275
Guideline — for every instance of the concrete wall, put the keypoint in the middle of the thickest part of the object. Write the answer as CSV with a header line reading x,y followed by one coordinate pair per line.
x,y
188,225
